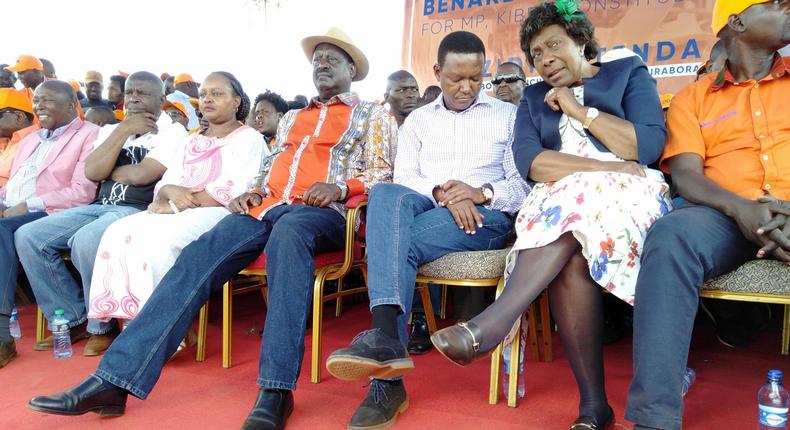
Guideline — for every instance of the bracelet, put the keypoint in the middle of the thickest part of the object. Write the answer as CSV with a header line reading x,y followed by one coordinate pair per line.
x,y
173,206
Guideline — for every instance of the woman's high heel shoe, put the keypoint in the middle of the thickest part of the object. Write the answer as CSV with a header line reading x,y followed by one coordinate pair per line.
x,y
460,343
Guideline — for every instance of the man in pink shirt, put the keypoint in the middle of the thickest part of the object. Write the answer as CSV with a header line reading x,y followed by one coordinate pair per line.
x,y
48,174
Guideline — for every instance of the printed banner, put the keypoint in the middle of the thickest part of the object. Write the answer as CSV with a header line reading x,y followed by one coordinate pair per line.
x,y
673,37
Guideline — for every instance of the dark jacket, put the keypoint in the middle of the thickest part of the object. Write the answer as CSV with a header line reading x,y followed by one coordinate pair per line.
x,y
623,88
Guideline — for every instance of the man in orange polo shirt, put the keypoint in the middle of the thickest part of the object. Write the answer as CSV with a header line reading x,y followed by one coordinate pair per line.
x,y
16,122
336,148
729,156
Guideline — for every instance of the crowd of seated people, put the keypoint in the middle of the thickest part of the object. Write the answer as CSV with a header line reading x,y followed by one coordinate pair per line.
x,y
165,190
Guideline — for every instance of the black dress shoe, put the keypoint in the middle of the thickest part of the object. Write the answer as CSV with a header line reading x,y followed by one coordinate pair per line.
x,y
371,354
419,339
271,410
91,395
384,402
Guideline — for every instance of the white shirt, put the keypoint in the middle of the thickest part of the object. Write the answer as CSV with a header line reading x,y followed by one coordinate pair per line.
x,y
436,145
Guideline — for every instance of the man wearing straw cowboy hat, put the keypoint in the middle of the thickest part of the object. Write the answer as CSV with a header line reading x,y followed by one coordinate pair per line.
x,y
335,148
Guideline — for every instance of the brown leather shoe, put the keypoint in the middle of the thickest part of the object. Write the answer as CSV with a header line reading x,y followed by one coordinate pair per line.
x,y
7,353
459,343
98,343
77,334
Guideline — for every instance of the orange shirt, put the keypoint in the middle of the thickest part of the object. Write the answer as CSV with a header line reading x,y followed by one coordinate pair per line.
x,y
740,129
346,142
8,149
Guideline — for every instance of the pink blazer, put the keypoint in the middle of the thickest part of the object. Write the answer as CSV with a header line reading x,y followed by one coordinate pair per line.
x,y
61,181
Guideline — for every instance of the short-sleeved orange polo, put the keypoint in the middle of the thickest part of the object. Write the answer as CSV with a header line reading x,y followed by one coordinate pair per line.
x,y
740,129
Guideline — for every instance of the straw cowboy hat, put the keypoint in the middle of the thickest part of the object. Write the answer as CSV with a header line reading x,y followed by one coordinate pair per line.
x,y
336,37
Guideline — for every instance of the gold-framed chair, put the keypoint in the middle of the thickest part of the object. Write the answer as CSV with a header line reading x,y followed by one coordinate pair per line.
x,y
485,269
758,281
330,266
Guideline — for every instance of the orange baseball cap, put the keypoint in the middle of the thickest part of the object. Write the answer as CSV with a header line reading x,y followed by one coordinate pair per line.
x,y
178,105
11,98
122,73
182,78
26,62
93,76
666,99
75,85
723,9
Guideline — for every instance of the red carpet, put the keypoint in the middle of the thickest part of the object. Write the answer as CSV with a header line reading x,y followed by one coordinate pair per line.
x,y
443,396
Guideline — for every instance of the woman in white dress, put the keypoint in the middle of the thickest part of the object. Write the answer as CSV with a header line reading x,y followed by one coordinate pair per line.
x,y
584,138
202,177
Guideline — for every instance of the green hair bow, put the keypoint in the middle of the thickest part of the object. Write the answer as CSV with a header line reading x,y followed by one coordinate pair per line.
x,y
568,9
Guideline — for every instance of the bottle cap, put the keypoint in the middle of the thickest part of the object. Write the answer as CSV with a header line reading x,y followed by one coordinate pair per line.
x,y
59,312
774,375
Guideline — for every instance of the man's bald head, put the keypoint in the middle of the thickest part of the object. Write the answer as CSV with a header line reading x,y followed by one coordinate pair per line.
x,y
144,92
61,88
147,78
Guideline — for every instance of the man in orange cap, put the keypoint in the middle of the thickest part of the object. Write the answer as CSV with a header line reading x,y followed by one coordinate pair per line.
x,y
94,86
184,83
16,122
728,151
30,71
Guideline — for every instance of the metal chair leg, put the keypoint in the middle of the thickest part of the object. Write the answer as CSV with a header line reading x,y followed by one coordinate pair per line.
x,y
493,384
227,306
512,389
202,326
41,325
339,299
316,361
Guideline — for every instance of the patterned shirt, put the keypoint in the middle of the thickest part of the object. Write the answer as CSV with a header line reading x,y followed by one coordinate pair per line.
x,y
436,145
159,146
22,186
346,142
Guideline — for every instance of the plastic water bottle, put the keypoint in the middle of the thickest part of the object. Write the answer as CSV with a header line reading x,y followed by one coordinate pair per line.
x,y
688,380
773,401
60,335
506,368
13,325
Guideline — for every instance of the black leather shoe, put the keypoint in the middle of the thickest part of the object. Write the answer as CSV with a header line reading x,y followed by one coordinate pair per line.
x,y
91,395
371,354
419,340
460,343
385,400
271,410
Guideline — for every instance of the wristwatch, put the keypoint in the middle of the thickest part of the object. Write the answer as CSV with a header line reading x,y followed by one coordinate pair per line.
x,y
488,193
592,113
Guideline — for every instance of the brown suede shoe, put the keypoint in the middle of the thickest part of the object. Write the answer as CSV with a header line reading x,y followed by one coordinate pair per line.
x,y
77,334
98,343
7,353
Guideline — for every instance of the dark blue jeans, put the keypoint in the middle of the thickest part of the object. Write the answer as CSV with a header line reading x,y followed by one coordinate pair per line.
x,y
9,262
682,250
405,230
290,236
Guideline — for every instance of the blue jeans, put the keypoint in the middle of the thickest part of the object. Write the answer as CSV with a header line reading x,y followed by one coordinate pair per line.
x,y
682,250
40,244
9,262
290,236
405,230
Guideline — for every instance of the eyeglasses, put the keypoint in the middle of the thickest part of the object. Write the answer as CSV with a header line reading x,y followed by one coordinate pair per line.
x,y
508,79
